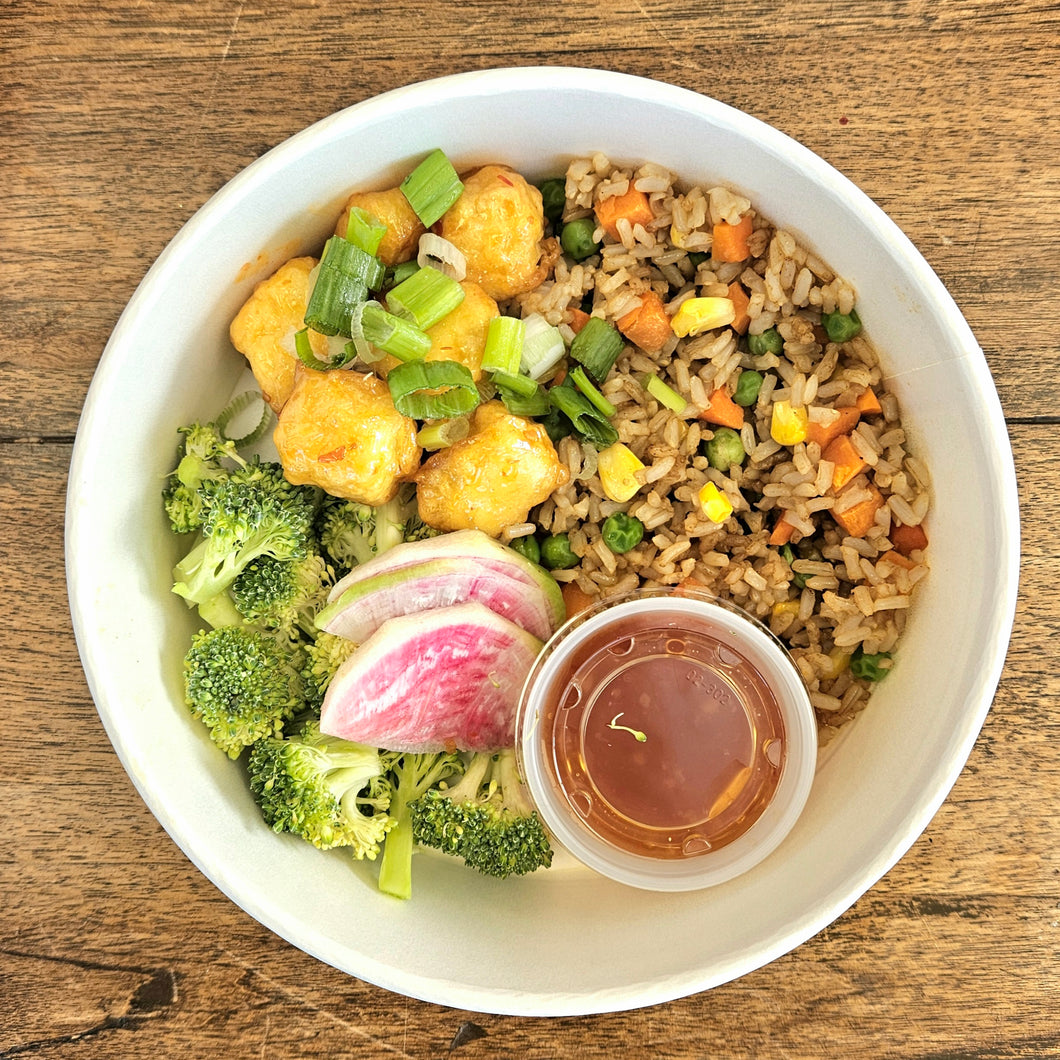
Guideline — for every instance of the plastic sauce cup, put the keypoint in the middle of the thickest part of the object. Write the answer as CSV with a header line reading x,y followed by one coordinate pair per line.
x,y
666,739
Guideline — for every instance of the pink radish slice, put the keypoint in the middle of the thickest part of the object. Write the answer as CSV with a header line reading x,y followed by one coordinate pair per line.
x,y
442,679
367,603
462,544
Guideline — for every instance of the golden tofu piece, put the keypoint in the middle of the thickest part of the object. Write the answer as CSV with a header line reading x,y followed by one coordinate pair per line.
x,y
491,479
263,329
461,335
498,224
340,431
403,227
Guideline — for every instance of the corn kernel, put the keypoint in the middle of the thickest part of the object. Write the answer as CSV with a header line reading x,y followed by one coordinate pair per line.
x,y
785,607
716,505
617,467
701,314
789,425
840,660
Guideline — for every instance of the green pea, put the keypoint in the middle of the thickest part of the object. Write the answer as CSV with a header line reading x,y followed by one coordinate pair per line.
x,y
553,197
769,341
621,532
725,449
868,667
556,553
747,387
577,238
527,546
841,326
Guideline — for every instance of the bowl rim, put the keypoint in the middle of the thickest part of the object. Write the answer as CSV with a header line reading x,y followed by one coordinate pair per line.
x,y
530,80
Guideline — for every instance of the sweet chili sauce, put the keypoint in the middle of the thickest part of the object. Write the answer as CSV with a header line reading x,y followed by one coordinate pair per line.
x,y
665,739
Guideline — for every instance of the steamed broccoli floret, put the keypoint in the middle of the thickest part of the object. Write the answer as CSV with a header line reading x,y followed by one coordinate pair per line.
x,y
485,818
252,512
202,457
283,593
243,684
412,775
329,791
353,533
323,656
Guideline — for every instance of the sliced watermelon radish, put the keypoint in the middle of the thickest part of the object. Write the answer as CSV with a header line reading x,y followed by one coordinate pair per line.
x,y
462,544
444,678
369,602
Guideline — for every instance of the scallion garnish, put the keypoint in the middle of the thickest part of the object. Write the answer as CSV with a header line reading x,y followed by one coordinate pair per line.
x,y
543,347
365,230
521,395
585,385
234,411
443,433
425,297
585,419
400,338
504,345
432,390
305,352
432,187
345,276
597,347
664,394
400,272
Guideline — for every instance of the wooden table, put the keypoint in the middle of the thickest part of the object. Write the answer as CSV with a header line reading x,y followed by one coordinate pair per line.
x,y
119,120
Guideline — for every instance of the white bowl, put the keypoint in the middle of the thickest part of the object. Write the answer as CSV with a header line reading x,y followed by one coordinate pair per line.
x,y
566,941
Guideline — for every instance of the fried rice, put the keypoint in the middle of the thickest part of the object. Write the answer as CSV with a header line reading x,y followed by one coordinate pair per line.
x,y
838,594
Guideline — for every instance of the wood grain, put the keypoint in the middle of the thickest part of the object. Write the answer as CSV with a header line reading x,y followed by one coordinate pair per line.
x,y
119,120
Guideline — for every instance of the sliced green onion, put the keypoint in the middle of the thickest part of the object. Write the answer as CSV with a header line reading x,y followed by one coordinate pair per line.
x,y
425,297
432,187
521,395
543,347
359,346
235,408
663,394
440,254
345,276
399,273
365,230
305,352
432,390
399,338
597,347
583,383
587,421
443,433
504,345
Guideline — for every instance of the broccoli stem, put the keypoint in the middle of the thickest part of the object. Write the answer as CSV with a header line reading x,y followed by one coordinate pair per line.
x,y
417,773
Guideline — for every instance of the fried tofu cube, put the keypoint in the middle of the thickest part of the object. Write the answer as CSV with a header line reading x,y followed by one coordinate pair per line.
x,y
498,224
461,335
403,227
491,479
263,330
339,430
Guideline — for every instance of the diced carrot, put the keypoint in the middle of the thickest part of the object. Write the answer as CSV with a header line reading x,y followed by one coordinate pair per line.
x,y
576,599
578,319
633,206
895,557
648,326
781,532
858,520
907,539
868,402
848,461
723,411
740,300
730,241
824,433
